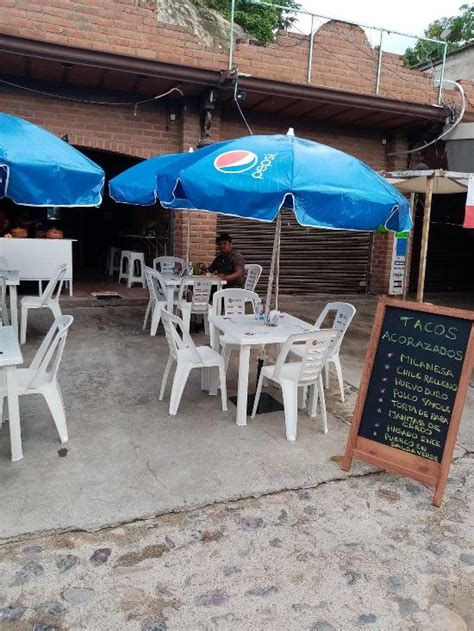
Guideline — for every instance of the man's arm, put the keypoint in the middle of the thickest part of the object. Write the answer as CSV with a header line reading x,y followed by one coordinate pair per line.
x,y
212,266
236,275
239,270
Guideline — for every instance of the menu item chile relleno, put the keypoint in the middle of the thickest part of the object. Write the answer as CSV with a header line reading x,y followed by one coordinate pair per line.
x,y
412,392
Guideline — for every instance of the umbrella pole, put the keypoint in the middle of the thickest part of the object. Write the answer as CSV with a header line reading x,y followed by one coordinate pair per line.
x,y
277,279
276,242
424,240
275,264
406,282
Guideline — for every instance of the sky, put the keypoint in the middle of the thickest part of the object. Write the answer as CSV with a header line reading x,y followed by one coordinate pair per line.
x,y
405,16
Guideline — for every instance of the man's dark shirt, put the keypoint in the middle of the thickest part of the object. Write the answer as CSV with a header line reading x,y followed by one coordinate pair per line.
x,y
228,264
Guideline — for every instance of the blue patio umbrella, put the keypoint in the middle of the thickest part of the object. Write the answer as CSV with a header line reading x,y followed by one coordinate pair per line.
x,y
255,176
138,184
39,169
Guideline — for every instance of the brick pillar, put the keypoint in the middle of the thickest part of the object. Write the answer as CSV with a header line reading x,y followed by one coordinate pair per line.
x,y
382,246
203,225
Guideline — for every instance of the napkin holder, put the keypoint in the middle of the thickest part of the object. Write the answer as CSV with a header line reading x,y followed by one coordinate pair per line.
x,y
273,317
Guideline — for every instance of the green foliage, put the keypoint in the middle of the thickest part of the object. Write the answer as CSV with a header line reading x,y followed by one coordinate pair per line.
x,y
457,31
258,21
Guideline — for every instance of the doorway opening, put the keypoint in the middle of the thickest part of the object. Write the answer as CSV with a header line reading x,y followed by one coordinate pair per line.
x,y
146,229
450,259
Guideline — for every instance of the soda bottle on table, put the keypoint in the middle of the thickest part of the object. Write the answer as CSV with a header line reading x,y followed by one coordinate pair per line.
x,y
259,312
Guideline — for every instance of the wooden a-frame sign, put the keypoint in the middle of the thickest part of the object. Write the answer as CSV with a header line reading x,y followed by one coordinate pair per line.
x,y
414,383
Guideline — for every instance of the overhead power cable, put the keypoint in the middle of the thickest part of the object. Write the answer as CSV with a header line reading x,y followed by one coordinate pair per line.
x,y
446,131
63,97
236,100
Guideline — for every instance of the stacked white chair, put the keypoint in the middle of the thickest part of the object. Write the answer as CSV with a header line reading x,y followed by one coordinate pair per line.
x,y
167,263
3,289
199,304
113,260
157,300
253,271
230,302
187,356
343,315
132,266
49,299
41,376
293,375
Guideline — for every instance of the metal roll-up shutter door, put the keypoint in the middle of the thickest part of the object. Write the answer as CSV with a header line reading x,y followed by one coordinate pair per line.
x,y
312,261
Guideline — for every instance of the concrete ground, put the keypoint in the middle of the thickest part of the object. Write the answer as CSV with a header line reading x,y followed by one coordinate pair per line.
x,y
254,532
127,458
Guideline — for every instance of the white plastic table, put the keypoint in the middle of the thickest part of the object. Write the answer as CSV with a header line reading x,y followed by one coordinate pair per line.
x,y
247,332
10,357
173,281
12,280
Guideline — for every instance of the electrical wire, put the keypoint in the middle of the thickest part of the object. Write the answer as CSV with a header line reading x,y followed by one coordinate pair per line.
x,y
238,105
134,104
447,131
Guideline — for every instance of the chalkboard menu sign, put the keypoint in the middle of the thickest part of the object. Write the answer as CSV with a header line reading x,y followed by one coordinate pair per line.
x,y
412,392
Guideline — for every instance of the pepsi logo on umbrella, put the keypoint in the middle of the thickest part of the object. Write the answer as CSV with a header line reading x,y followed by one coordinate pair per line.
x,y
236,161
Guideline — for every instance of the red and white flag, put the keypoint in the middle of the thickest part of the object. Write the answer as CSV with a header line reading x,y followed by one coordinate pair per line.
x,y
469,216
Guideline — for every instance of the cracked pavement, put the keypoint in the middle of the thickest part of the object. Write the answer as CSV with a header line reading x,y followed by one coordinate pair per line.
x,y
363,552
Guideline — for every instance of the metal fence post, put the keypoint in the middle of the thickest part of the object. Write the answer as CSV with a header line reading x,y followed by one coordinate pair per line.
x,y
310,58
379,64
231,47
441,76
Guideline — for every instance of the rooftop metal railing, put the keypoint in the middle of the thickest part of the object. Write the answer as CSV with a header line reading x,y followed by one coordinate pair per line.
x,y
315,18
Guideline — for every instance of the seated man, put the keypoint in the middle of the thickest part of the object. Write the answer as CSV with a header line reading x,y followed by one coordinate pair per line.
x,y
229,264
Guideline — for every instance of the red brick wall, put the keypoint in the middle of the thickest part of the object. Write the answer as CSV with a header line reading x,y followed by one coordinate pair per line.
x,y
96,126
343,58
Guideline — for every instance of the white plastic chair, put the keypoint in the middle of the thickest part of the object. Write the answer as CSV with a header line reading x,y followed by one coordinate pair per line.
x,y
41,376
49,299
157,300
167,263
343,315
253,272
201,292
3,311
187,357
230,302
291,376
3,289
